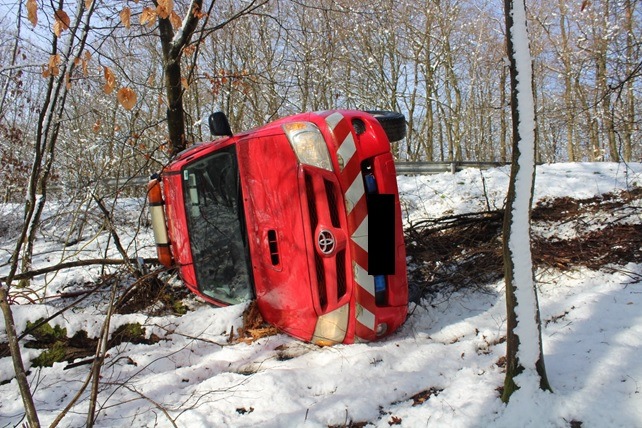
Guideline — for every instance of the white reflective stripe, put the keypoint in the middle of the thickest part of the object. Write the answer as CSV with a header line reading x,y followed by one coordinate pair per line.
x,y
347,149
365,317
158,224
360,236
362,278
355,192
333,120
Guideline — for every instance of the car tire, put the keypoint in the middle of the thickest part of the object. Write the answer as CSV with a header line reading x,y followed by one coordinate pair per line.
x,y
393,124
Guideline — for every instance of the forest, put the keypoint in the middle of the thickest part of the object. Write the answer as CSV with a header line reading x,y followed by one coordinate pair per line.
x,y
90,79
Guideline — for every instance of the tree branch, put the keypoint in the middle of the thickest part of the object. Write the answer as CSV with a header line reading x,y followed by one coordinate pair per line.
x,y
78,263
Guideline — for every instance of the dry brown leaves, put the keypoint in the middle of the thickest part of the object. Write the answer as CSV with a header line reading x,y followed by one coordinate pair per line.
x,y
125,17
254,327
465,251
32,12
127,98
61,22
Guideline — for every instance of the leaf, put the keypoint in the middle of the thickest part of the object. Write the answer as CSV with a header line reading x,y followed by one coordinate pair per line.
x,y
125,17
184,83
175,20
148,16
53,66
167,4
189,49
164,8
32,12
61,22
110,80
96,126
127,98
85,63
54,60
88,3
196,11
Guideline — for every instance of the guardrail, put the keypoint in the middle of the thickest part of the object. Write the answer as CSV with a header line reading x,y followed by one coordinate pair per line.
x,y
404,168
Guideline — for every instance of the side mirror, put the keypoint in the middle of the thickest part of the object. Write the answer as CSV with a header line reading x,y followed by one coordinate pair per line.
x,y
219,124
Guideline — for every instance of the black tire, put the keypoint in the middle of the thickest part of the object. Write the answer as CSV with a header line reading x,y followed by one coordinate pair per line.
x,y
393,124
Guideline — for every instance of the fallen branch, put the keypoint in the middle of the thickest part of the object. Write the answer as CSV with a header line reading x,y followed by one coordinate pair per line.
x,y
61,311
78,263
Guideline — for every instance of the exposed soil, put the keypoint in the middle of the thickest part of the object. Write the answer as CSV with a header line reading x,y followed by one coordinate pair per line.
x,y
465,251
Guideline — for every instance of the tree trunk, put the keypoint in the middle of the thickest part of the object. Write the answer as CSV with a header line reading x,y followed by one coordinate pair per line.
x,y
503,126
172,53
521,295
568,85
48,126
629,94
16,358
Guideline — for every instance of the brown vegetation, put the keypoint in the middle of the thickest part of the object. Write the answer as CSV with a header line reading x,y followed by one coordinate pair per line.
x,y
464,251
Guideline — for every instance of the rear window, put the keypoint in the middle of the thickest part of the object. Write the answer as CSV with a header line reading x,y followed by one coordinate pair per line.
x,y
214,210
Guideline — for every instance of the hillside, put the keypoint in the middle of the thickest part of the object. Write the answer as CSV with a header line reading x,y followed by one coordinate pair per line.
x,y
444,367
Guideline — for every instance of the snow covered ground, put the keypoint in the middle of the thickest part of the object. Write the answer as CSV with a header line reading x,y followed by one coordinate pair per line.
x,y
442,368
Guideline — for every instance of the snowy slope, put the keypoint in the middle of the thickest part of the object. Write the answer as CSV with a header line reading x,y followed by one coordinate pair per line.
x,y
447,356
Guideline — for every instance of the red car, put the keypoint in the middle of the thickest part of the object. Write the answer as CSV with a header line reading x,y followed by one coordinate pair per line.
x,y
301,214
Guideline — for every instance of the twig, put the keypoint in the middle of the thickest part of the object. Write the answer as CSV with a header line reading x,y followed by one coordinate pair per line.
x,y
157,405
101,352
112,230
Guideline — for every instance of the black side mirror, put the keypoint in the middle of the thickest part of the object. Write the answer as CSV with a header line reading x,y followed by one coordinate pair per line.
x,y
219,124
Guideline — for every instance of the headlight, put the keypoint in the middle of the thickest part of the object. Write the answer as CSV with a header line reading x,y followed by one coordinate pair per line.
x,y
331,327
308,144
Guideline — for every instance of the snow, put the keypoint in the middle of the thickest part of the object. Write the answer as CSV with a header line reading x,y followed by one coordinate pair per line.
x,y
451,346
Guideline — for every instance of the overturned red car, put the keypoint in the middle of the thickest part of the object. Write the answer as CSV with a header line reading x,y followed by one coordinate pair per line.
x,y
301,214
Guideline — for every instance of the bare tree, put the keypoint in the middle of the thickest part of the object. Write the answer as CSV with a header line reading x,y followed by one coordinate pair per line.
x,y
59,71
175,37
524,356
173,45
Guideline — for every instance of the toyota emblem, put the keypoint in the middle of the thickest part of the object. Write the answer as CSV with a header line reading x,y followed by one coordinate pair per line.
x,y
327,242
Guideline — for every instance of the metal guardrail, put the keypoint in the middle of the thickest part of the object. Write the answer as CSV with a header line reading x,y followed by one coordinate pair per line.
x,y
402,167
422,168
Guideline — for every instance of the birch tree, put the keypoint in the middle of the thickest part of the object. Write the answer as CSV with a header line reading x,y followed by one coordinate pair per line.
x,y
524,356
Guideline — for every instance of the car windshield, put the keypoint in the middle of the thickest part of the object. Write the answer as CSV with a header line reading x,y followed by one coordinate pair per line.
x,y
214,209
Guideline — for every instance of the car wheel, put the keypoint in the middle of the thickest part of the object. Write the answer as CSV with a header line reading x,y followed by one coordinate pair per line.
x,y
393,124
